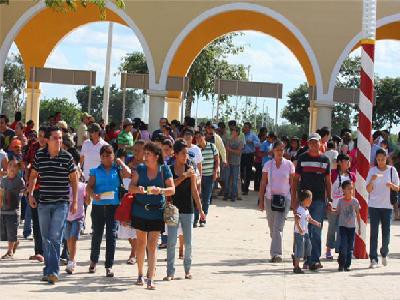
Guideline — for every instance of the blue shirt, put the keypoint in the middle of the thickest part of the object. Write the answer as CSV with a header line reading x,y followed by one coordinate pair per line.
x,y
266,147
138,209
106,182
374,148
250,137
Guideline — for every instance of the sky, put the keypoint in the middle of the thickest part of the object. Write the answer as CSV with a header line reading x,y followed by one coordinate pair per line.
x,y
268,58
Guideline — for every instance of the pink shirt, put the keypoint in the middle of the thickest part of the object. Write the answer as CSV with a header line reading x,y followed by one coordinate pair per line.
x,y
278,183
80,212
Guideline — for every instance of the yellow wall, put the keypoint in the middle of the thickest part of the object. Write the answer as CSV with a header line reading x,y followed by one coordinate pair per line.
x,y
35,50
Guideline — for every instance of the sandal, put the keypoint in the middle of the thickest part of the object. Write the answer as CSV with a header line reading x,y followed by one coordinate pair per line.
x,y
168,278
140,280
7,256
188,276
131,261
150,284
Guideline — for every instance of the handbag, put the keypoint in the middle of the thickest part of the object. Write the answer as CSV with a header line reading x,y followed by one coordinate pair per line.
x,y
123,213
121,188
278,202
171,212
393,194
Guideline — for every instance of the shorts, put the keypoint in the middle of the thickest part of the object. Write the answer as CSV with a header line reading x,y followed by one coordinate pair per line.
x,y
126,232
147,225
9,227
302,245
73,229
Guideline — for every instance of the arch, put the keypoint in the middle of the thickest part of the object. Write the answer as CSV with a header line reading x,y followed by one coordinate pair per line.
x,y
387,28
39,14
224,19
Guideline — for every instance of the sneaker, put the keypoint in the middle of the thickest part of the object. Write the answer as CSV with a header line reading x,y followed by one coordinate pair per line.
x,y
202,224
298,271
44,278
70,267
92,268
195,225
63,261
52,279
109,272
373,264
276,259
384,261
315,267
347,269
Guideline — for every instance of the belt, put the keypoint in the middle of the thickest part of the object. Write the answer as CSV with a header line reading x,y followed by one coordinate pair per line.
x,y
148,206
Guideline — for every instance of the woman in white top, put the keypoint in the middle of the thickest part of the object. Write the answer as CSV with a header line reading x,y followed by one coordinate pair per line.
x,y
380,181
276,181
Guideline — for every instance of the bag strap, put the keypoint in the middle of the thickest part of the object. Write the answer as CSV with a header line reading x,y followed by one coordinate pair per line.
x,y
121,183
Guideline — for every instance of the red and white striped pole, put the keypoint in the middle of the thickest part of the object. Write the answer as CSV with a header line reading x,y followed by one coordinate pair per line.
x,y
365,120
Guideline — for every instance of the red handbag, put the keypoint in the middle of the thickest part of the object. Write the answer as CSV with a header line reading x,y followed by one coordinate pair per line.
x,y
123,212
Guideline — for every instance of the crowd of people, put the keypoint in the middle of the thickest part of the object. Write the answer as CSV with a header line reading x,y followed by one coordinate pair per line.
x,y
128,176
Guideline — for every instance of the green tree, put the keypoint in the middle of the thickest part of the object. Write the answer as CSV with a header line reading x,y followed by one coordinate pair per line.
x,y
115,105
296,110
211,64
387,108
71,112
14,83
71,5
134,62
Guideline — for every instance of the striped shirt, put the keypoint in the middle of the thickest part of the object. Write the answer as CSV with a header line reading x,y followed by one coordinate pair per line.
x,y
313,171
54,175
208,154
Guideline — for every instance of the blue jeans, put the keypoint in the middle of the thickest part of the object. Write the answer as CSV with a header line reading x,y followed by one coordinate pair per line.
x,y
231,179
346,246
207,184
52,220
317,212
333,236
376,216
27,220
186,220
103,215
302,245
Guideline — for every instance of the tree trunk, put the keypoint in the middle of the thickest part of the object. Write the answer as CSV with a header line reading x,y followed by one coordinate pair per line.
x,y
188,105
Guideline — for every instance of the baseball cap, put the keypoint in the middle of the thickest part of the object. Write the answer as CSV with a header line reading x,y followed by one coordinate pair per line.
x,y
314,136
127,122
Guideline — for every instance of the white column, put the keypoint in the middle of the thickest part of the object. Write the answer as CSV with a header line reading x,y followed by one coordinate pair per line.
x,y
156,108
324,114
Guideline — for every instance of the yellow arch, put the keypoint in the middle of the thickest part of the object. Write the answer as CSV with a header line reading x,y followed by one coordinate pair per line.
x,y
40,35
238,20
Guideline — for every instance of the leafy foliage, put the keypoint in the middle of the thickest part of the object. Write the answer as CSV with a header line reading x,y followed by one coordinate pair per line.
x,y
133,102
14,83
211,64
71,5
70,112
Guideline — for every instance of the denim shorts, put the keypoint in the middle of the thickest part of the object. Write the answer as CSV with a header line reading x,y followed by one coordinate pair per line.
x,y
302,245
73,229
9,227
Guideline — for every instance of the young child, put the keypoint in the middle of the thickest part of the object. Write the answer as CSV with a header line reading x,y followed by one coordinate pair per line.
x,y
74,225
348,210
11,189
302,240
125,230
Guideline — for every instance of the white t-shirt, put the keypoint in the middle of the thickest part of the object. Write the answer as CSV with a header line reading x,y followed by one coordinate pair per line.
x,y
91,154
332,155
380,195
304,215
337,191
198,157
